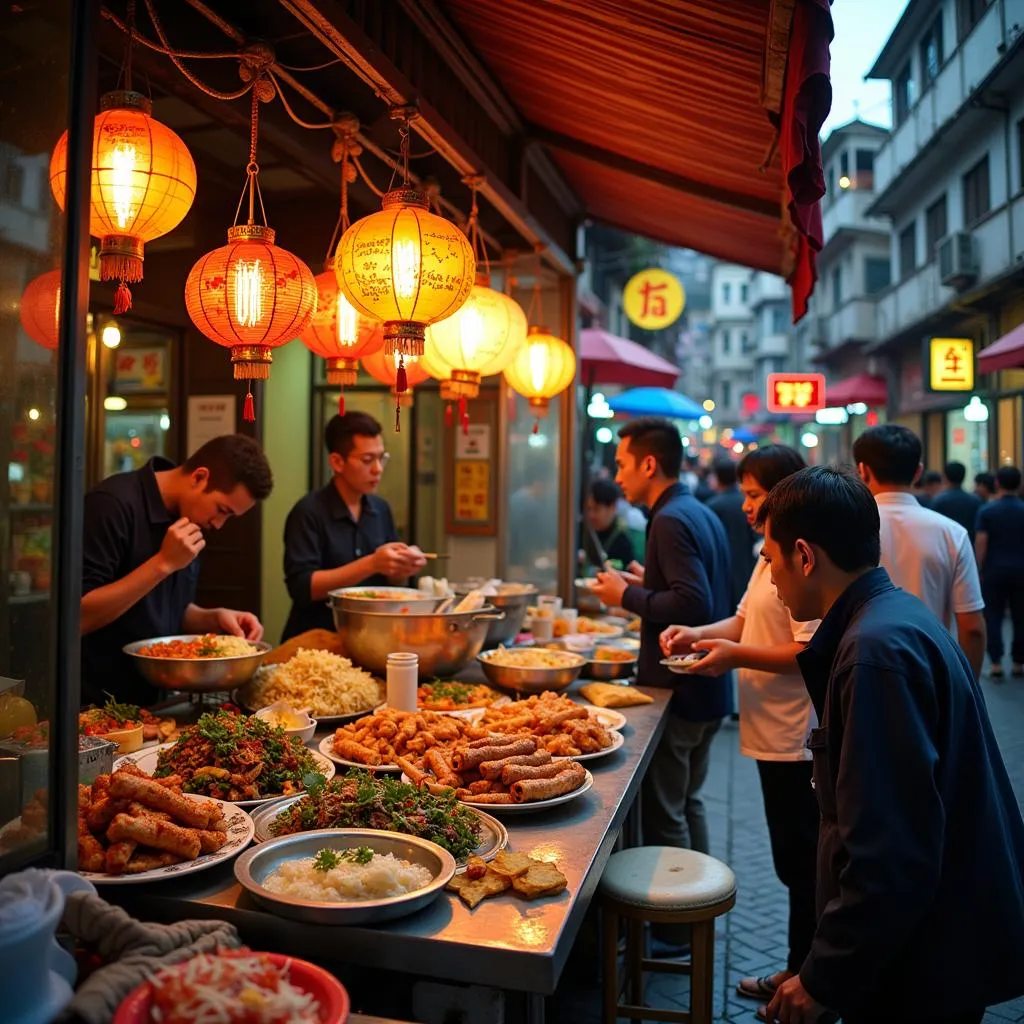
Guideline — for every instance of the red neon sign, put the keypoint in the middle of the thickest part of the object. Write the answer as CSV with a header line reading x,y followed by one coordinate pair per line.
x,y
796,392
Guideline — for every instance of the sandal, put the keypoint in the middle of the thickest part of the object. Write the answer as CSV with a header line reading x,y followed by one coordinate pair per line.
x,y
762,988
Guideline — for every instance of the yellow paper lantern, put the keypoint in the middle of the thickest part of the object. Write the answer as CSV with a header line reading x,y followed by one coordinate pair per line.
x,y
406,267
143,183
543,368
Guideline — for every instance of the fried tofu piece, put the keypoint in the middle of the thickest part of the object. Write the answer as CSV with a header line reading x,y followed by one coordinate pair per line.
x,y
473,890
511,864
542,879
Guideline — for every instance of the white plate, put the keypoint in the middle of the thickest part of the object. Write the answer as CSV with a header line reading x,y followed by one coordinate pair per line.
x,y
146,760
676,665
327,750
532,806
240,832
608,717
617,740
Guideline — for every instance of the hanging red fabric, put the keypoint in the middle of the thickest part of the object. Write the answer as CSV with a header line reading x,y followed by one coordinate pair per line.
x,y
249,407
341,404
448,415
122,299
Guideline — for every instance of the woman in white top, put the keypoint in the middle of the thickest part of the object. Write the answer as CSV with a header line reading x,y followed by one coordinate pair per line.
x,y
762,641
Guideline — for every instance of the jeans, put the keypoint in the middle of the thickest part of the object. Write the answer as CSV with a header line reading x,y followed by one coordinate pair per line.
x,y
999,588
792,812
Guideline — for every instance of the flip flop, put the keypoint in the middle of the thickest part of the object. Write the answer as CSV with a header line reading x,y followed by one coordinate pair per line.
x,y
762,988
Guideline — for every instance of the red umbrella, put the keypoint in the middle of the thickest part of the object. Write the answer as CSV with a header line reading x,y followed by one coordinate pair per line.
x,y
608,359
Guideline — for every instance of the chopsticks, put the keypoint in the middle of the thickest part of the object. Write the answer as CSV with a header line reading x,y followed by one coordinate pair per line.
x,y
434,554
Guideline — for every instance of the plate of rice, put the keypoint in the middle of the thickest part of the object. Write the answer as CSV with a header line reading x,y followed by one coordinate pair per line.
x,y
326,685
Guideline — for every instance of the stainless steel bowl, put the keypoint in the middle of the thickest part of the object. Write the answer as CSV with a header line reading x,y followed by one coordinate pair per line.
x,y
411,602
253,867
605,671
446,643
586,600
513,603
195,675
531,680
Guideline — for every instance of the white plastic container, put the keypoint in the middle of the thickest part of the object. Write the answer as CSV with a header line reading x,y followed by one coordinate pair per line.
x,y
403,672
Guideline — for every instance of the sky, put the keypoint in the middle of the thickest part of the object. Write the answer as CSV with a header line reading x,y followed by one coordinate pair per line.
x,y
861,29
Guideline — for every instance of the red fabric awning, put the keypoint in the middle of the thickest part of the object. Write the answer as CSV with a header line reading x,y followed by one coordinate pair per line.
x,y
1005,354
609,359
692,122
862,388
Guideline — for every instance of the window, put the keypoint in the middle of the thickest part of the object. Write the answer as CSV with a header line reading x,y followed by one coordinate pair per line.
x,y
744,291
837,288
977,201
844,165
864,169
908,251
778,320
931,53
877,274
726,342
14,183
935,227
968,14
726,394
830,187
903,94
746,344
726,293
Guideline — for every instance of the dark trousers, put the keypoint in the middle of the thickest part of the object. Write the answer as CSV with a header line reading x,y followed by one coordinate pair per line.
x,y
971,1017
1000,588
792,812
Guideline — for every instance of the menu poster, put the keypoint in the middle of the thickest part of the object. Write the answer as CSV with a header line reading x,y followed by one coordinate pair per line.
x,y
470,461
209,416
140,370
472,491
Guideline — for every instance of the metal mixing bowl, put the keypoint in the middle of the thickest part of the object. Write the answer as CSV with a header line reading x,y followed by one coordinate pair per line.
x,y
195,675
586,600
531,680
253,867
411,601
513,603
605,671
445,643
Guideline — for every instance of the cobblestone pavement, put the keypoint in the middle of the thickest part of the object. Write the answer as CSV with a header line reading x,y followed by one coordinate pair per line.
x,y
750,939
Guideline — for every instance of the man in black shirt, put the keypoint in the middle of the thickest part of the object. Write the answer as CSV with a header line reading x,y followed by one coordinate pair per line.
x,y
344,535
954,502
727,504
143,532
601,515
921,843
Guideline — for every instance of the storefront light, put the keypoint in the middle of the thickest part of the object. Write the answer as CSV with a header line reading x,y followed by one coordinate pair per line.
x,y
705,422
111,336
976,411
709,405
738,448
844,182
835,416
599,409
809,439
604,435
537,441
115,403
165,422
33,414
857,409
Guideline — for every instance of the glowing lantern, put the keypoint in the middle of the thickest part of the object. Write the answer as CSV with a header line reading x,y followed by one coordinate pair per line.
x,y
385,367
405,266
143,184
340,335
543,368
39,311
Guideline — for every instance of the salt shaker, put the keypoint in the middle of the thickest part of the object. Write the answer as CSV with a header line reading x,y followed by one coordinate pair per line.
x,y
403,679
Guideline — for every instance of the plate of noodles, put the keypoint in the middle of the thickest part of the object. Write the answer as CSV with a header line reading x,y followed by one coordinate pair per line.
x,y
330,687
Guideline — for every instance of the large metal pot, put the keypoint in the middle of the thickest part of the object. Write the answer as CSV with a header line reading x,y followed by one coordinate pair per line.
x,y
406,600
513,602
445,643
196,675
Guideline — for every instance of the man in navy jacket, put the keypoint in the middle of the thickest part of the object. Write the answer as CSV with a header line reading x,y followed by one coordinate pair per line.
x,y
686,581
921,847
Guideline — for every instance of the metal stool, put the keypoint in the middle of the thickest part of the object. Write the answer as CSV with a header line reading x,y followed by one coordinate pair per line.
x,y
663,885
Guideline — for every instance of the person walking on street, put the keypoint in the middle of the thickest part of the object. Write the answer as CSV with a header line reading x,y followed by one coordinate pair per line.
x,y
954,502
686,581
922,551
985,486
762,641
728,504
999,546
921,844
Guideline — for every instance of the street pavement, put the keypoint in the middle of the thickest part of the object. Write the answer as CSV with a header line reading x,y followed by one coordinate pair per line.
x,y
750,940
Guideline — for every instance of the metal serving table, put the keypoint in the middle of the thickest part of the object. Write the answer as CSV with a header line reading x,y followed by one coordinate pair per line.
x,y
505,943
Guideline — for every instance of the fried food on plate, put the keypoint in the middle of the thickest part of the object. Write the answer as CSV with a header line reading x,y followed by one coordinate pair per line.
x,y
526,876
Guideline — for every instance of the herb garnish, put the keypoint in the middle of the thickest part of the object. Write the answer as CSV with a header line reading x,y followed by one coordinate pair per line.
x,y
326,859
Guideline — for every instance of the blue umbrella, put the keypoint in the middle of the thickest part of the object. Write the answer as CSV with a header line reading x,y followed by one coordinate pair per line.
x,y
745,436
656,402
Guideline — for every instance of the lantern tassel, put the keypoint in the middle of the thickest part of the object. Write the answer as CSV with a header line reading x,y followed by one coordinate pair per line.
x,y
448,415
398,417
341,404
401,377
536,427
249,408
464,415
122,299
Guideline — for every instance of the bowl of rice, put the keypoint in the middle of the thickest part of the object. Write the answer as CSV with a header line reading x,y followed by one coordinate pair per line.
x,y
327,685
197,663
345,876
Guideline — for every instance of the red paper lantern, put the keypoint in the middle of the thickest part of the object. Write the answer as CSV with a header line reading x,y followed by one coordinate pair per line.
x,y
39,310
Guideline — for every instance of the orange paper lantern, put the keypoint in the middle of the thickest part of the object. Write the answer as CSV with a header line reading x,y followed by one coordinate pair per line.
x,y
388,368
543,368
39,310
142,186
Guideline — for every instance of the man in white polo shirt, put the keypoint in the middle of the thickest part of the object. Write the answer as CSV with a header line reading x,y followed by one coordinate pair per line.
x,y
924,552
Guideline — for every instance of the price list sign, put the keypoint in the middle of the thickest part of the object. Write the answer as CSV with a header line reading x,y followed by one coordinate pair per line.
x,y
472,491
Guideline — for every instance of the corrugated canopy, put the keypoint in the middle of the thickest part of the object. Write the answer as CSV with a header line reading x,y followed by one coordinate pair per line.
x,y
660,113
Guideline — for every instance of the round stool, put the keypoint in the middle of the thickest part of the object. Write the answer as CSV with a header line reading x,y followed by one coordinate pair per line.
x,y
663,885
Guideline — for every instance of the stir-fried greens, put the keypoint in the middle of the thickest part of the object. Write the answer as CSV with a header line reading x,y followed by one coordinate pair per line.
x,y
361,800
231,757
110,718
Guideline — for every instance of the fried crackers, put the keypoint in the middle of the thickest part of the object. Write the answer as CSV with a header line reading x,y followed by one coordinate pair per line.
x,y
528,877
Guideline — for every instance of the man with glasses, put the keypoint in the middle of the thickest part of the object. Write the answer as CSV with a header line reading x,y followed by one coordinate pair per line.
x,y
344,535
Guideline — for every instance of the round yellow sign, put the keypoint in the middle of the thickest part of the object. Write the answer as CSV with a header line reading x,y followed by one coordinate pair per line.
x,y
653,299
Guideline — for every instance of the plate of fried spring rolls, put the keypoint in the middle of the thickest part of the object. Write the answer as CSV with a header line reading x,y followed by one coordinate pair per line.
x,y
503,775
134,829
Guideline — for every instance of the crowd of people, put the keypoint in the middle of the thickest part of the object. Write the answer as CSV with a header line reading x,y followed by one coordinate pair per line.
x,y
856,614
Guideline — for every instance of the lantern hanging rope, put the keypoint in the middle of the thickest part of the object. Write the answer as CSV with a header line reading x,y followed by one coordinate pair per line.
x,y
142,181
337,332
251,296
383,367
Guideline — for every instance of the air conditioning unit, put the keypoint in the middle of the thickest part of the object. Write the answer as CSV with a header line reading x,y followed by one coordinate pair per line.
x,y
958,261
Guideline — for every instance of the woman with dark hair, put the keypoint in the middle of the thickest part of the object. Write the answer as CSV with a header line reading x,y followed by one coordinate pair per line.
x,y
762,641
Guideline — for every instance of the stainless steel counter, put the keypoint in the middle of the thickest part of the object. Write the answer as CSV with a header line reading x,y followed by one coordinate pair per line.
x,y
506,942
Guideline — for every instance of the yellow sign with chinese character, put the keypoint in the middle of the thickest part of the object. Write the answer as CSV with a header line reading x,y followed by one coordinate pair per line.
x,y
653,299
950,364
